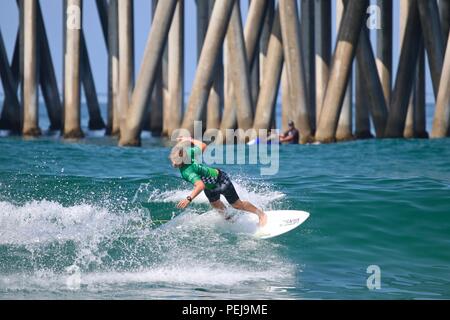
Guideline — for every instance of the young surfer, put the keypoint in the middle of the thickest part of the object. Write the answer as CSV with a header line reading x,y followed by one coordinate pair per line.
x,y
212,181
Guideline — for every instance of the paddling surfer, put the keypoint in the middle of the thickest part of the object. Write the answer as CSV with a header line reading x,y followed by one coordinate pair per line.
x,y
212,181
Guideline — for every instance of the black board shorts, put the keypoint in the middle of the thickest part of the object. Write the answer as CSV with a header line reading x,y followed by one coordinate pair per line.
x,y
225,187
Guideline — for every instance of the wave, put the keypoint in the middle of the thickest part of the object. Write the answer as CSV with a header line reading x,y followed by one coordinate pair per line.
x,y
47,246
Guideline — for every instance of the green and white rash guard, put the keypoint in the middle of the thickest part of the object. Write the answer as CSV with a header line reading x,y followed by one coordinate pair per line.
x,y
194,171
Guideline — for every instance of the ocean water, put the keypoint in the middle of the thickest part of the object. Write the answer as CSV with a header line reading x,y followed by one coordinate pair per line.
x,y
72,225
84,221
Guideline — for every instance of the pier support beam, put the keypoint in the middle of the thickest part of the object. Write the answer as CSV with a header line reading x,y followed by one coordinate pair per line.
x,y
295,70
362,116
420,119
411,43
441,122
253,28
433,39
371,83
344,128
73,23
102,9
30,70
340,72
126,64
216,95
204,10
409,130
240,77
285,101
444,10
273,66
90,92
176,70
307,33
10,118
144,85
323,50
252,33
384,48
160,96
113,123
204,76
47,77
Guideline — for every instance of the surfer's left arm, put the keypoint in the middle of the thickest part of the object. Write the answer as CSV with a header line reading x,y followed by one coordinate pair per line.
x,y
196,143
199,187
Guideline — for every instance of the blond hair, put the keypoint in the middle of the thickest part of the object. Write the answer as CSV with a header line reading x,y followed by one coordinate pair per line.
x,y
179,154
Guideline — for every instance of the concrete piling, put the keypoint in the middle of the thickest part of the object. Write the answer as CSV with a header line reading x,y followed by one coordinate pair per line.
x,y
47,76
411,43
409,130
95,118
371,83
160,96
240,77
241,66
30,70
113,117
254,26
362,116
216,96
441,122
126,65
273,66
147,74
444,12
102,10
384,48
204,76
420,119
340,71
322,49
344,128
433,38
286,107
10,117
72,27
176,69
257,12
295,71
307,32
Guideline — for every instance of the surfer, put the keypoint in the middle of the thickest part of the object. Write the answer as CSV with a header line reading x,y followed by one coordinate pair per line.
x,y
212,181
291,136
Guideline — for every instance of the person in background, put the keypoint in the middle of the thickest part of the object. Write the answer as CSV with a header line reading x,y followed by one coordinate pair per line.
x,y
291,136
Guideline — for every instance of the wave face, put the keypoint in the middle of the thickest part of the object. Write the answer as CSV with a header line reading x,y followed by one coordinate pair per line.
x,y
82,221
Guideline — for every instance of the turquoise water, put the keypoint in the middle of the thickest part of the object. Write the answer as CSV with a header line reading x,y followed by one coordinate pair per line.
x,y
72,226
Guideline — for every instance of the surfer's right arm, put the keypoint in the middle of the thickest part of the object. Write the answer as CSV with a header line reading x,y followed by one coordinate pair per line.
x,y
199,187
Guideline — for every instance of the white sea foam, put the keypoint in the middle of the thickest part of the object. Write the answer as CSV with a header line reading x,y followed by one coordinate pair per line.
x,y
259,195
190,250
165,276
39,222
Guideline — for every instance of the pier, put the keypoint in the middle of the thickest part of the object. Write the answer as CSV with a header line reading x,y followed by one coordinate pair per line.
x,y
281,50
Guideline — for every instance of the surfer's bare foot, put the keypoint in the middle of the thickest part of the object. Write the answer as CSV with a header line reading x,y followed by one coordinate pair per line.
x,y
262,218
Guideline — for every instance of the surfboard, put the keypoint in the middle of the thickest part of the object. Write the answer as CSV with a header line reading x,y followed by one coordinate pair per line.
x,y
278,223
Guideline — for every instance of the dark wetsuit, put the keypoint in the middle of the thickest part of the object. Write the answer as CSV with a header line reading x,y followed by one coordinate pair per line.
x,y
292,132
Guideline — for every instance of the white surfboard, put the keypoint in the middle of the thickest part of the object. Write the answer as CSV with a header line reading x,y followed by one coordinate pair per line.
x,y
278,222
